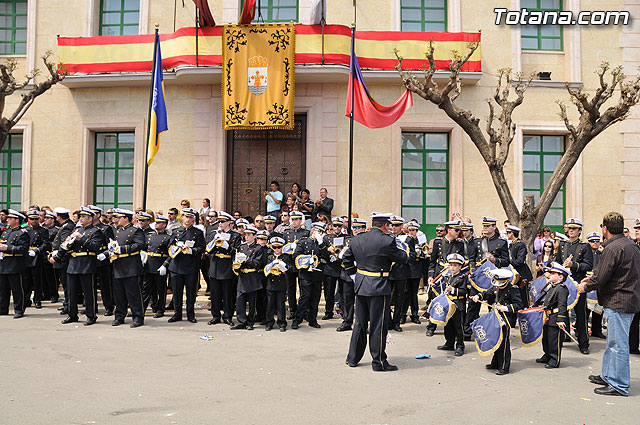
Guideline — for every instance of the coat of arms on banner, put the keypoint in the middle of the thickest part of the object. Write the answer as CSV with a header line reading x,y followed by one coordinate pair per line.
x,y
257,75
258,63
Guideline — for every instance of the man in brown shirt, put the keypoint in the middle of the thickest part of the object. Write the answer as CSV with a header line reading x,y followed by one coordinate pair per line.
x,y
617,280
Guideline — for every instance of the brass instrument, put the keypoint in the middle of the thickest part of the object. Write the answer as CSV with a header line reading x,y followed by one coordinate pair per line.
x,y
238,261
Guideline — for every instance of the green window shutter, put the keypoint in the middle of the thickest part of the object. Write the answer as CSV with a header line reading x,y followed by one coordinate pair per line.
x,y
113,170
542,37
11,172
423,15
119,17
13,27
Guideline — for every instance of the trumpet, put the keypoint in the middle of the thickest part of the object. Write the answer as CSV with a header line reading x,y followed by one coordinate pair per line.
x,y
67,242
335,251
216,243
238,261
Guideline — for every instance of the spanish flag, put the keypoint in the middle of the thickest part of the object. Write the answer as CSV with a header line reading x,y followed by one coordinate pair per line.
x,y
158,121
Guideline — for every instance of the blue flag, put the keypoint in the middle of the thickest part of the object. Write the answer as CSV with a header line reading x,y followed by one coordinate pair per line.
x,y
158,122
441,309
573,292
531,322
480,278
487,331
538,288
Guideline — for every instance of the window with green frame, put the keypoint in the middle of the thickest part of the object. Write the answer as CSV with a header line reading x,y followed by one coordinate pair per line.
x,y
13,27
11,172
541,37
113,174
276,10
540,157
423,15
119,17
425,179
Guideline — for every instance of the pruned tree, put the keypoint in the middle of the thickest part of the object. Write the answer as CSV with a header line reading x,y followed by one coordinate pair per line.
x,y
9,86
495,141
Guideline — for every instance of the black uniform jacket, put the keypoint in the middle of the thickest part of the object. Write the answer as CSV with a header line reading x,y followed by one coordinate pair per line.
x,y
518,252
508,296
82,252
66,229
332,268
309,246
343,273
582,257
186,263
290,236
459,284
157,248
222,258
40,244
278,282
128,262
13,259
403,271
416,261
497,246
373,252
109,233
249,279
442,247
555,304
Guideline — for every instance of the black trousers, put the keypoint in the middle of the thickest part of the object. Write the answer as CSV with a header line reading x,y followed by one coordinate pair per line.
x,y
372,313
348,301
222,298
473,312
154,291
581,321
411,298
399,286
127,291
552,338
453,332
596,321
310,292
292,292
242,300
204,268
11,284
261,305
502,356
178,284
275,307
633,332
62,277
524,293
49,282
103,279
86,283
329,287
32,281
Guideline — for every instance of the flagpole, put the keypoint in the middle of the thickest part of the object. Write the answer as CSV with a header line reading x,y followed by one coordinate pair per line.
x,y
197,59
353,35
146,154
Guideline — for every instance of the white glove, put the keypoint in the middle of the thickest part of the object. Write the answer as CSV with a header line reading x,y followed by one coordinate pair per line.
x,y
101,257
318,237
163,271
353,277
190,244
116,249
180,244
189,251
54,253
32,253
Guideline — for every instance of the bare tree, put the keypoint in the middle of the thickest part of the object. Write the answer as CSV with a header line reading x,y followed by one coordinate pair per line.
x,y
494,143
9,86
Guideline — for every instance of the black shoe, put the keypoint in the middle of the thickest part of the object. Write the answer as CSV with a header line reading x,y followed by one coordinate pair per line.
x,y
403,320
543,359
385,368
27,303
108,313
136,324
348,363
597,379
54,300
397,328
608,390
294,325
61,308
263,322
344,328
213,322
327,316
550,366
429,332
315,325
491,367
634,351
501,372
38,305
283,328
459,352
228,322
90,322
238,326
18,315
585,351
268,328
69,320
598,335
64,312
415,320
117,322
158,314
445,348
192,320
249,327
173,319
4,313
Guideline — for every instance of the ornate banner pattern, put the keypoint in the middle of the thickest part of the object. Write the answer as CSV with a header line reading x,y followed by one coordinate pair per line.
x,y
258,76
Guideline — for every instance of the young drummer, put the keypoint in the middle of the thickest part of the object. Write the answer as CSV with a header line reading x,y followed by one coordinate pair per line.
x,y
456,289
555,307
507,300
277,264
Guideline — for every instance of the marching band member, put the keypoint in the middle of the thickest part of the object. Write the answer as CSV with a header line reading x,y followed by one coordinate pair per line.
x,y
154,285
332,269
415,273
518,259
277,265
456,289
400,273
60,268
348,295
38,249
248,261
594,239
262,239
291,238
48,274
14,246
555,307
506,298
103,268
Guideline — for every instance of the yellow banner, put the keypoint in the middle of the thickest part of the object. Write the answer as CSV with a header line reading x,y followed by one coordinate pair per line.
x,y
258,63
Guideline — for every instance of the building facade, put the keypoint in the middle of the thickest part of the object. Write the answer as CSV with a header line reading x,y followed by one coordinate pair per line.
x,y
84,140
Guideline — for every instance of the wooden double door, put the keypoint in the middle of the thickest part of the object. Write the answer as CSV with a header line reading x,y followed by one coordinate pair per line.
x,y
256,157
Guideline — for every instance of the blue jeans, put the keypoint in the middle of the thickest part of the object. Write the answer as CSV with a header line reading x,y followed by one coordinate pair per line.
x,y
615,361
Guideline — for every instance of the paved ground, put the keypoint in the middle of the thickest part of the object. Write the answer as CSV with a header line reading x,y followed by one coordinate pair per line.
x,y
164,373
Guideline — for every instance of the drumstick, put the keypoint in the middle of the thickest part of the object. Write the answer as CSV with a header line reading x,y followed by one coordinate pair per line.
x,y
570,336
